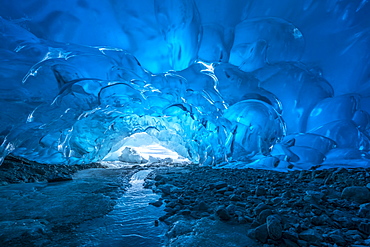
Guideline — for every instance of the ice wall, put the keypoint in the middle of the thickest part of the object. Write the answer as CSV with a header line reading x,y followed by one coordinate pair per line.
x,y
278,85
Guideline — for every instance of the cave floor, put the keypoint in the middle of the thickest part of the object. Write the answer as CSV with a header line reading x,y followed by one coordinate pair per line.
x,y
189,206
98,207
298,208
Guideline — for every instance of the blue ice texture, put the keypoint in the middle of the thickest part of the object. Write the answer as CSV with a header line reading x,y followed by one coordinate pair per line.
x,y
258,83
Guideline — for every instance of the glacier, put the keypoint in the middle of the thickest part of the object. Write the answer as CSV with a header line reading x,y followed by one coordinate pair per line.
x,y
273,85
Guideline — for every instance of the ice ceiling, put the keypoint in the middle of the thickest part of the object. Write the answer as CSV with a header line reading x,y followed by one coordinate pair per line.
x,y
275,84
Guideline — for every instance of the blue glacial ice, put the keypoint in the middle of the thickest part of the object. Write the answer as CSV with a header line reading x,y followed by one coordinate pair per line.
x,y
224,83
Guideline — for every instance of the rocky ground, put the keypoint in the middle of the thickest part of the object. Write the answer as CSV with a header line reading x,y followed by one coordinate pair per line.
x,y
298,208
19,170
204,207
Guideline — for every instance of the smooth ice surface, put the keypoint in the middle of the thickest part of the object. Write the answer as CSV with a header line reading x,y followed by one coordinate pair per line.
x,y
216,83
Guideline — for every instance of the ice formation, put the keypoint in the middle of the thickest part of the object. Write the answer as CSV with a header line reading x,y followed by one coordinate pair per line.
x,y
276,85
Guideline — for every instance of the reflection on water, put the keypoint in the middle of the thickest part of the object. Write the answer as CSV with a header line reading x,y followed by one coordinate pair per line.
x,y
131,223
90,210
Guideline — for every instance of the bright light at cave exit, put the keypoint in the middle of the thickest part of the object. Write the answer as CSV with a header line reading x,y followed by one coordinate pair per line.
x,y
143,147
159,152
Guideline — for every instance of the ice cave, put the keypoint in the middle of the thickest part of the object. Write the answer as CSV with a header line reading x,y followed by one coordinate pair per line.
x,y
225,86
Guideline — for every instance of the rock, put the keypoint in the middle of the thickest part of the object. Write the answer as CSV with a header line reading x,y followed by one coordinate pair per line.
x,y
180,227
260,191
156,204
171,204
364,210
260,207
242,220
231,209
263,215
338,215
59,178
166,189
184,201
315,194
260,233
367,242
235,198
202,206
302,243
320,220
255,223
222,190
286,194
158,178
308,206
219,185
310,236
368,186
364,228
148,184
277,200
164,217
248,219
291,235
228,193
222,213
186,212
356,193
289,243
274,228
339,240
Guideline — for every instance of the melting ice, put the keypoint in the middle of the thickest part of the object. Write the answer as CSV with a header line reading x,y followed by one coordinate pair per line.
x,y
243,83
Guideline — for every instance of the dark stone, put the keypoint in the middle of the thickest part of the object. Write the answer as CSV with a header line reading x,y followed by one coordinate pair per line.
x,y
261,233
260,191
339,240
158,177
156,204
315,195
277,200
166,189
364,210
274,228
317,221
219,185
358,194
186,212
260,207
59,178
202,206
263,215
242,220
289,243
234,198
231,209
310,236
171,204
364,228
302,243
291,235
222,213
320,220
164,217
222,190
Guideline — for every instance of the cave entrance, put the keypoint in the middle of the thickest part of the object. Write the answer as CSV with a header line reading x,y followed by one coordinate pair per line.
x,y
142,148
